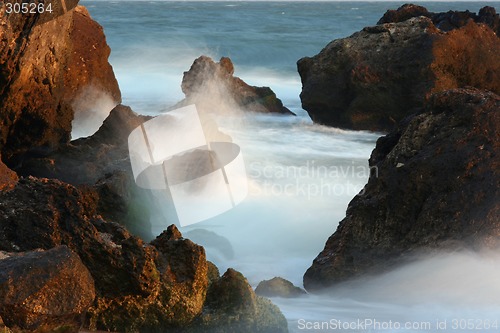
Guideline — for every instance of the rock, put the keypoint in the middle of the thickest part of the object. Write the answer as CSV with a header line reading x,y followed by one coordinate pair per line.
x,y
380,75
101,163
445,194
232,306
8,178
44,288
176,298
403,13
44,69
160,286
212,87
43,213
278,287
444,21
213,241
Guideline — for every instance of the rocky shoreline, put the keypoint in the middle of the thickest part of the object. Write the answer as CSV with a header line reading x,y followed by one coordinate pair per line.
x,y
73,255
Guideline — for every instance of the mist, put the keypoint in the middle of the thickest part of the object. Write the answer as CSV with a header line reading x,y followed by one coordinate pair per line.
x,y
91,107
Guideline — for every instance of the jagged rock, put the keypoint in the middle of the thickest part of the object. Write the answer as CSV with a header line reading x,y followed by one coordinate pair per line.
x,y
436,185
232,306
44,68
212,87
380,75
44,288
444,21
278,287
8,178
403,13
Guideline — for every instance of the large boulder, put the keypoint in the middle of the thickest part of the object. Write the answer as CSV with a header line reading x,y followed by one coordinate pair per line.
x,y
378,76
213,88
47,62
44,288
435,184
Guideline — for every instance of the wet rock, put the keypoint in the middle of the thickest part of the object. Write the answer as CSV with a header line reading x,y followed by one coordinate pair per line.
x,y
380,75
44,288
278,287
232,306
436,186
212,241
44,69
212,87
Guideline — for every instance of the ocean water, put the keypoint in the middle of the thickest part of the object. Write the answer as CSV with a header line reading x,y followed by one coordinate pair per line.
x,y
301,175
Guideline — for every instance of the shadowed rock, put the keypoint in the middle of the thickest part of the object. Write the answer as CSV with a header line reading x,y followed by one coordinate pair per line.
x,y
438,186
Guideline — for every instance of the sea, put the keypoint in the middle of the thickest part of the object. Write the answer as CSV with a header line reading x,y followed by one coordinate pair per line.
x,y
301,175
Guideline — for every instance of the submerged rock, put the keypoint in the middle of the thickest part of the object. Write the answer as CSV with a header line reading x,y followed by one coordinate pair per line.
x,y
278,287
44,68
436,185
380,75
212,87
44,289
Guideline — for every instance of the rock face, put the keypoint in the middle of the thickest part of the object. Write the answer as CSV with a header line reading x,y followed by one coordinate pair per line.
x,y
438,186
212,87
44,288
278,287
378,76
44,67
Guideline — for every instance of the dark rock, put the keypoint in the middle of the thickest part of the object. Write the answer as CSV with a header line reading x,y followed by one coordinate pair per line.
x,y
101,163
379,76
444,21
212,87
44,67
44,288
213,272
436,185
213,241
278,287
232,306
42,213
403,13
144,287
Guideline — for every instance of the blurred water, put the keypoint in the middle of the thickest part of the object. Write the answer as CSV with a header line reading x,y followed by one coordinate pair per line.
x,y
301,175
